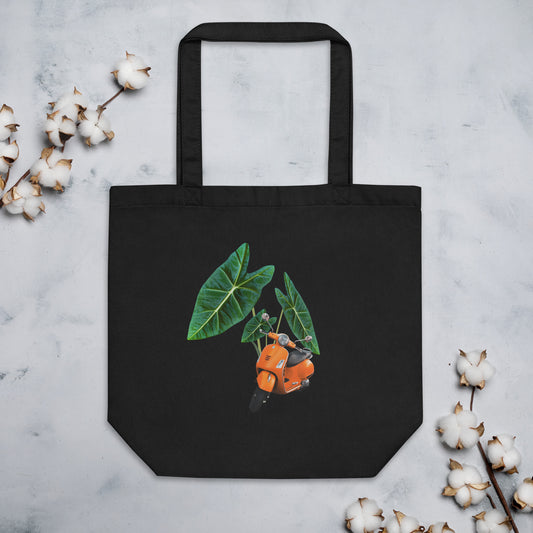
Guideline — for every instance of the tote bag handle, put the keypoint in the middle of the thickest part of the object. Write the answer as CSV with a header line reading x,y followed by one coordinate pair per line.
x,y
189,136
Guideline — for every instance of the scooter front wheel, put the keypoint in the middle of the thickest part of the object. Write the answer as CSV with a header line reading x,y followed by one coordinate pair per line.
x,y
259,397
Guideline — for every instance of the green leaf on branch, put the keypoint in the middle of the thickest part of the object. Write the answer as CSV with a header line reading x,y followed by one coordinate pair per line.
x,y
228,295
297,314
251,331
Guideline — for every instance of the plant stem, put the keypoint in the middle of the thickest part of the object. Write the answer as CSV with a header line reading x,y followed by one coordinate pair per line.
x,y
279,320
494,481
492,504
496,486
112,98
25,175
258,341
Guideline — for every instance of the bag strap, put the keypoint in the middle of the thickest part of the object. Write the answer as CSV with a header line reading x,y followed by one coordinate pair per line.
x,y
189,118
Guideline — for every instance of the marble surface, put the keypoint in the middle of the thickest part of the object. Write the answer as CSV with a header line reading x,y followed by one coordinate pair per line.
x,y
443,99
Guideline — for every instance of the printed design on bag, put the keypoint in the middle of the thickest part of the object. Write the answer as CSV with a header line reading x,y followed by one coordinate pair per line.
x,y
229,296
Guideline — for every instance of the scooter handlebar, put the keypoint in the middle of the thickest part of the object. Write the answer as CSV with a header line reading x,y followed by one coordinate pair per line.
x,y
275,336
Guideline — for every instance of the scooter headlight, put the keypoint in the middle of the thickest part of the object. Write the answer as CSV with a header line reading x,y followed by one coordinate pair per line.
x,y
283,339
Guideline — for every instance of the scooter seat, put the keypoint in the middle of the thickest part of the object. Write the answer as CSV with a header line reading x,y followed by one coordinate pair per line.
x,y
297,356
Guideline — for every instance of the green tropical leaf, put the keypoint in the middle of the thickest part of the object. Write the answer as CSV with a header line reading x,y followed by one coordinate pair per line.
x,y
228,295
251,331
297,314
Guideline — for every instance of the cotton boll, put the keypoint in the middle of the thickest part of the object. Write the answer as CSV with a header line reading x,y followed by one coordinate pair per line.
x,y
59,128
469,437
492,521
27,190
410,524
474,375
473,480
51,170
62,173
9,153
465,484
16,207
459,430
15,199
132,72
24,198
8,123
70,104
463,497
61,168
440,527
95,127
457,478
466,418
523,497
364,516
373,515
474,369
450,430
33,206
502,453
478,495
54,157
400,523
43,172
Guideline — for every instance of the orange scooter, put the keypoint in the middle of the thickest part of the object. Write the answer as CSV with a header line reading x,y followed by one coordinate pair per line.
x,y
281,368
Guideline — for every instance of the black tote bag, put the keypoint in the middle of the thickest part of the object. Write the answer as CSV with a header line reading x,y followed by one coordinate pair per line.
x,y
195,386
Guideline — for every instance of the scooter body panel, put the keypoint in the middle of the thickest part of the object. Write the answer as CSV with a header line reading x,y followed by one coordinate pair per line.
x,y
273,362
294,375
266,380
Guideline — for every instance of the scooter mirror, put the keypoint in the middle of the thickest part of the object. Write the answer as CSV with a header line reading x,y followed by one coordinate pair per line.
x,y
306,339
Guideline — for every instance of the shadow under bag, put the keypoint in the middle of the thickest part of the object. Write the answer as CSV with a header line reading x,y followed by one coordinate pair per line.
x,y
265,332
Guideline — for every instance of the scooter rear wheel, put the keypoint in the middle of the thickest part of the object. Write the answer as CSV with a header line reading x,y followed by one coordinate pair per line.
x,y
259,397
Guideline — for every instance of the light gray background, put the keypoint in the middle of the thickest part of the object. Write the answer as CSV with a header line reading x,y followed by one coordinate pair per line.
x,y
443,99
